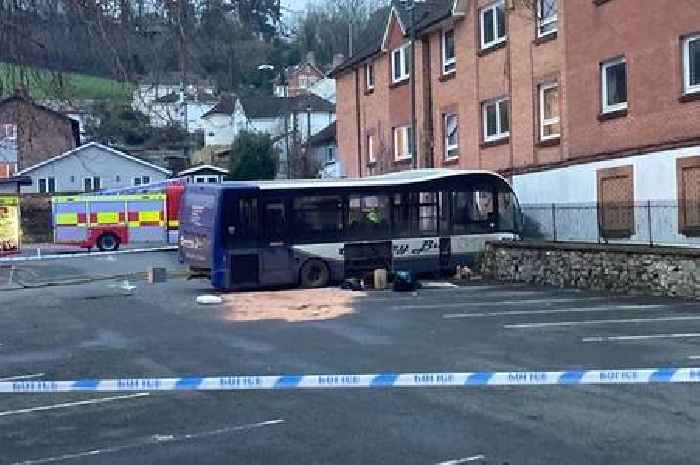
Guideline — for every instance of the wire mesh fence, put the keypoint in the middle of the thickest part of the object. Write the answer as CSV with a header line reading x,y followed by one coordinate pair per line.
x,y
654,222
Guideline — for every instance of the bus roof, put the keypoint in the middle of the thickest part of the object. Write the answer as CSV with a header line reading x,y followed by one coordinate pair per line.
x,y
389,179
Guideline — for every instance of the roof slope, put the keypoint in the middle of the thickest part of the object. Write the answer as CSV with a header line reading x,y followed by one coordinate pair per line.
x,y
324,136
273,107
427,13
225,106
98,145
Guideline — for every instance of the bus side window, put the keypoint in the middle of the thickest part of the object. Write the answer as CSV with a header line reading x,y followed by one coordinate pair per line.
x,y
404,214
247,219
275,222
473,212
369,216
427,213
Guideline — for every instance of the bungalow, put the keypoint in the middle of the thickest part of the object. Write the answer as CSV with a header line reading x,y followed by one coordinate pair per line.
x,y
89,168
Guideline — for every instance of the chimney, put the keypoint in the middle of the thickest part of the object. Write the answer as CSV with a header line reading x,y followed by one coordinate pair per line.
x,y
338,58
311,58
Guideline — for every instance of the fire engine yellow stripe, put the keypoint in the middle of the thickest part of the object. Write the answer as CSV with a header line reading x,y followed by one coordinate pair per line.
x,y
107,217
106,198
134,224
153,215
67,219
173,223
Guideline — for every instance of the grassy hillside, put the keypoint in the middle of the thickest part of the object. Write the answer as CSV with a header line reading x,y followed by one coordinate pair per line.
x,y
45,84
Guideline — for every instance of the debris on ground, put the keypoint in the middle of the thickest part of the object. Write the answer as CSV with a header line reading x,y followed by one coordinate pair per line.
x,y
290,305
209,300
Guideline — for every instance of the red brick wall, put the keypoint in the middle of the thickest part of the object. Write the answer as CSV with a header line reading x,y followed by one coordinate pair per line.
x,y
649,38
41,134
293,80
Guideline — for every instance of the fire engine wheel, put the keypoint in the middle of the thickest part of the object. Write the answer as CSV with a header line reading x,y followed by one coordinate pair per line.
x,y
108,242
314,273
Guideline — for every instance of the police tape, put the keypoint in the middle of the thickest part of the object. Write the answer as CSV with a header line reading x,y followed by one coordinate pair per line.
x,y
84,254
377,380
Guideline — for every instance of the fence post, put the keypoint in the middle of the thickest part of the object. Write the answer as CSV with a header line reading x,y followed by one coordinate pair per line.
x,y
554,222
651,239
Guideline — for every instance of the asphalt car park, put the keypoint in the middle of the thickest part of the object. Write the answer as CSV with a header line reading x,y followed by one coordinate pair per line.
x,y
105,330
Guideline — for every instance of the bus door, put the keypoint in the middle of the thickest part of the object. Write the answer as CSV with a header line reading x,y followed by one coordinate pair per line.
x,y
275,253
242,230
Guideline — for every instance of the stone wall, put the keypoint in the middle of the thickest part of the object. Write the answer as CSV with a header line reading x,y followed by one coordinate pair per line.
x,y
667,271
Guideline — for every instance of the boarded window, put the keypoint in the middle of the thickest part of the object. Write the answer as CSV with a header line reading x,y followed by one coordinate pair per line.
x,y
688,180
616,202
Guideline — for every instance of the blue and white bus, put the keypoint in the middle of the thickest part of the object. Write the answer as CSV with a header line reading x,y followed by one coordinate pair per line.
x,y
244,235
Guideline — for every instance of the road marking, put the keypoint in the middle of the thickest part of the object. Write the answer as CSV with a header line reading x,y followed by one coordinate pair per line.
x,y
639,338
148,441
463,460
553,311
496,303
100,400
694,357
599,322
12,378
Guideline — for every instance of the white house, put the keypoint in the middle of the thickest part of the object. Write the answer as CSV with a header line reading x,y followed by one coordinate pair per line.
x,y
201,174
219,123
91,167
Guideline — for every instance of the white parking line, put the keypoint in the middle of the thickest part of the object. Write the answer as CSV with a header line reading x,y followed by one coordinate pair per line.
x,y
491,303
463,460
599,322
694,357
639,338
556,310
100,400
150,440
13,378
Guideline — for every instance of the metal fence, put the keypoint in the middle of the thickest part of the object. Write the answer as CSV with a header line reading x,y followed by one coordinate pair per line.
x,y
655,222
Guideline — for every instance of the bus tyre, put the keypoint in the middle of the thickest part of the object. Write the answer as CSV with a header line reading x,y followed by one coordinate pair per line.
x,y
314,273
108,242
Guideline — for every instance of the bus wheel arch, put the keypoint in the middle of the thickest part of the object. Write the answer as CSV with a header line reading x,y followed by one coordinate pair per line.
x,y
314,273
108,242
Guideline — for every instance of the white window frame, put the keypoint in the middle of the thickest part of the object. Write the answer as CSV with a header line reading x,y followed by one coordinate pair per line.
x,y
369,82
497,40
542,22
500,134
12,135
447,145
403,57
92,183
200,179
604,86
687,87
450,63
330,150
370,149
551,121
212,179
407,155
48,189
143,180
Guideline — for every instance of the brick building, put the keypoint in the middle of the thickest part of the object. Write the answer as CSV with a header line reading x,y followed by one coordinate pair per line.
x,y
36,133
573,100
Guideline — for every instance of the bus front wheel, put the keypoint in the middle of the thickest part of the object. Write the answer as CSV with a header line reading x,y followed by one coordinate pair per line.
x,y
314,273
